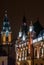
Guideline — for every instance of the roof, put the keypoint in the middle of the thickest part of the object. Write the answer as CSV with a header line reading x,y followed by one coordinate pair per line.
x,y
37,27
6,24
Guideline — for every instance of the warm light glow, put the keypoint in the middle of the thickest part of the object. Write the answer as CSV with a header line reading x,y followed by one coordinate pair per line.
x,y
29,51
38,52
9,37
30,28
42,51
21,49
22,45
4,38
25,43
19,45
19,59
16,55
25,58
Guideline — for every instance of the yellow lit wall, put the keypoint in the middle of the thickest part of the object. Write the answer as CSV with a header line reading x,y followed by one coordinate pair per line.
x,y
4,38
9,37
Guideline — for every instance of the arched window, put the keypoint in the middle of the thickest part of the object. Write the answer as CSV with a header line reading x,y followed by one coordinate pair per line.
x,y
35,53
41,52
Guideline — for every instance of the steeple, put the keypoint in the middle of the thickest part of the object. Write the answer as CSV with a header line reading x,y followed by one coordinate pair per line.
x,y
24,37
31,27
30,40
6,18
6,30
24,19
23,30
24,25
31,30
6,24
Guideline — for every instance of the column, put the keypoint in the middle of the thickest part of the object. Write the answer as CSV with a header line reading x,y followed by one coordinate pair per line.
x,y
35,52
38,52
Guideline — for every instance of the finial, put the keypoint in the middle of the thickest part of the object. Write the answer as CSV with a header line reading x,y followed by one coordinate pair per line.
x,y
24,19
23,37
20,33
30,22
5,13
31,26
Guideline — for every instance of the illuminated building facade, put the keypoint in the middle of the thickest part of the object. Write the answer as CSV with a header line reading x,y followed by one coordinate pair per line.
x,y
29,48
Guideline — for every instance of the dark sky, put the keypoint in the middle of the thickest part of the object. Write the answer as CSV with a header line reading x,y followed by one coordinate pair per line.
x,y
16,10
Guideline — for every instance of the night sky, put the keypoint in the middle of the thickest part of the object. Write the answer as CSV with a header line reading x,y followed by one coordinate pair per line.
x,y
17,9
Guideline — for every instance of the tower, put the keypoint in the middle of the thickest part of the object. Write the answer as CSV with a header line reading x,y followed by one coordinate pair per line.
x,y
6,36
24,26
6,31
30,37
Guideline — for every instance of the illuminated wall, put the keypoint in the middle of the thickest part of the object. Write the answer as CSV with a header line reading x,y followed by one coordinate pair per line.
x,y
9,37
6,39
3,60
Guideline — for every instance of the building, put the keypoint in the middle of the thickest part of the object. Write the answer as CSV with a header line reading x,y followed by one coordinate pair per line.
x,y
29,47
6,41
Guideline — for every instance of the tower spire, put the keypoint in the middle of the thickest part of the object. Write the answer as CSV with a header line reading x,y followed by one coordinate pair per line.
x,y
6,30
5,16
31,23
5,13
31,26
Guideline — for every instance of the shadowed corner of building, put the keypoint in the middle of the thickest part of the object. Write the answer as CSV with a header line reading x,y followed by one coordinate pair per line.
x,y
11,61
